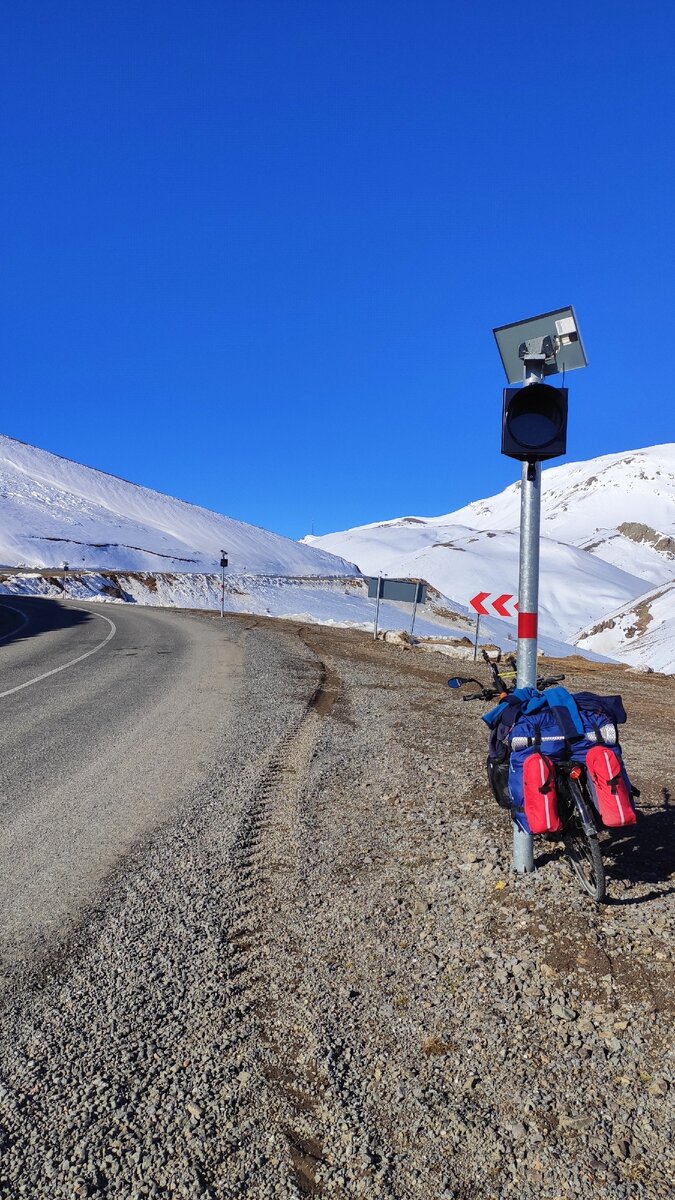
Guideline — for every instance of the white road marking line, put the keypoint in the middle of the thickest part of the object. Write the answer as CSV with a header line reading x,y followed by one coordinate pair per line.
x,y
24,621
72,662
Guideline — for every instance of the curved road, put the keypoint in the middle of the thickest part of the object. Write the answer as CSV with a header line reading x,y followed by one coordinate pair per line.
x,y
107,715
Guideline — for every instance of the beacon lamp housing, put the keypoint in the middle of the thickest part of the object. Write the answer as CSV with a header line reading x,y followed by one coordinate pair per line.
x,y
534,422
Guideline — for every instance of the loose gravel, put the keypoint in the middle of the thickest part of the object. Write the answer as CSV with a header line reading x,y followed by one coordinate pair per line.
x,y
323,979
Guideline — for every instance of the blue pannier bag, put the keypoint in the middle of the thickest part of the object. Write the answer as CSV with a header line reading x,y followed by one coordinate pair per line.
x,y
537,731
555,724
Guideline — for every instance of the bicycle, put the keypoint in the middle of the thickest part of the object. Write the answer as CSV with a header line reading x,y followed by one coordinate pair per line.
x,y
580,829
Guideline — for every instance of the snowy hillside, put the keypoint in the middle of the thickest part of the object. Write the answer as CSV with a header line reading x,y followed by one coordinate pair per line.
x,y
608,537
576,588
642,633
620,507
53,511
165,551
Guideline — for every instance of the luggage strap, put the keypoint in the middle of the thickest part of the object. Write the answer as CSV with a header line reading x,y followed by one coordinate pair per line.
x,y
566,712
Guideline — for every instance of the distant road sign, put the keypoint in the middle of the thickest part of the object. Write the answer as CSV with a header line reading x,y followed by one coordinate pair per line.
x,y
488,604
409,591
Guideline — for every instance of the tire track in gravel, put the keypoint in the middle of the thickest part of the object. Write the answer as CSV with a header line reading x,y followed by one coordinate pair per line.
x,y
248,955
303,1062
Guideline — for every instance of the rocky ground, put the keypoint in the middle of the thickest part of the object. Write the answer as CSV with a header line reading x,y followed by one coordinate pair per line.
x,y
322,979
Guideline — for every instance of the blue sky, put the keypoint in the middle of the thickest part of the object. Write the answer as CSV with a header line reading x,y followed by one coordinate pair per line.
x,y
253,251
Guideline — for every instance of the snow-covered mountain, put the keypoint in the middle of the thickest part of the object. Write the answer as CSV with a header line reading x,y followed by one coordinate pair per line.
x,y
576,588
642,633
608,553
608,537
620,507
159,550
53,511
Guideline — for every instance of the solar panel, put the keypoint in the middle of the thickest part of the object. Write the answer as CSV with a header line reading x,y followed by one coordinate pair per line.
x,y
554,334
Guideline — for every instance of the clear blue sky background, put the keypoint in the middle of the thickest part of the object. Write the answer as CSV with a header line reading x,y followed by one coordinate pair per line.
x,y
253,250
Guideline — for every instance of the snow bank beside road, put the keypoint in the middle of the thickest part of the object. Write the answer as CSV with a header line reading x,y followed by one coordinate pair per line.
x,y
335,600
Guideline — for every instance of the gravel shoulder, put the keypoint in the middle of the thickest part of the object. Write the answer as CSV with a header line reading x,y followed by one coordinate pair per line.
x,y
321,978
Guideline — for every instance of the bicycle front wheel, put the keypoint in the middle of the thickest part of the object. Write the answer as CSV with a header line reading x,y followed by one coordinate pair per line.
x,y
583,851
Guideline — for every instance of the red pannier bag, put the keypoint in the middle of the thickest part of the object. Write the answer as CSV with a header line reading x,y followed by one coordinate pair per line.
x,y
610,788
539,794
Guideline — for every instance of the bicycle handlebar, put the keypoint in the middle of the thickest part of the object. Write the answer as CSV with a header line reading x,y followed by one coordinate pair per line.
x,y
500,693
501,689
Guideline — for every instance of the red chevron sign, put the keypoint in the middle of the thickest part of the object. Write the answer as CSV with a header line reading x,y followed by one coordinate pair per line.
x,y
484,604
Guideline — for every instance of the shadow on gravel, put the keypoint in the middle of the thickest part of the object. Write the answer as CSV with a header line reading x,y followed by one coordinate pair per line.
x,y
644,853
44,616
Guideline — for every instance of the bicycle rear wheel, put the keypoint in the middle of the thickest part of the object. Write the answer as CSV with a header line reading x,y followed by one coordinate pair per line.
x,y
583,851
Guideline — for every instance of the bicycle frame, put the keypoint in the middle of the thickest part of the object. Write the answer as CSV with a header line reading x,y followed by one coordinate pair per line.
x,y
575,797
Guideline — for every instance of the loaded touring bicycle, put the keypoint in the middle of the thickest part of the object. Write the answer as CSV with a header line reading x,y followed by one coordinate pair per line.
x,y
555,763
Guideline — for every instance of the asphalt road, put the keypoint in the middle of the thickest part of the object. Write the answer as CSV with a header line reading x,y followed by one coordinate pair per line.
x,y
107,717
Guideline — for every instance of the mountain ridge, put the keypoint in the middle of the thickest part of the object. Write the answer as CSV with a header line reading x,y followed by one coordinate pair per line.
x,y
608,535
47,499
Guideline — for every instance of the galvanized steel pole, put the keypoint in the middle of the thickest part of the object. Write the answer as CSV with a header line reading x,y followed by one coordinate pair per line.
x,y
414,611
528,602
377,606
223,560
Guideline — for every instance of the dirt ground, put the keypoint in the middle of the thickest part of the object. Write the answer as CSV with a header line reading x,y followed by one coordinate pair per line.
x,y
518,1035
324,979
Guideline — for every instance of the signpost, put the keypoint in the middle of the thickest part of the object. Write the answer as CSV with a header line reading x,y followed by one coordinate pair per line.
x,y
407,591
223,564
534,429
484,605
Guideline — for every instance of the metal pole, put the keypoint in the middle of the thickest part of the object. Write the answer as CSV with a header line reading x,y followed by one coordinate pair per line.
x,y
475,645
377,606
223,564
412,623
528,603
